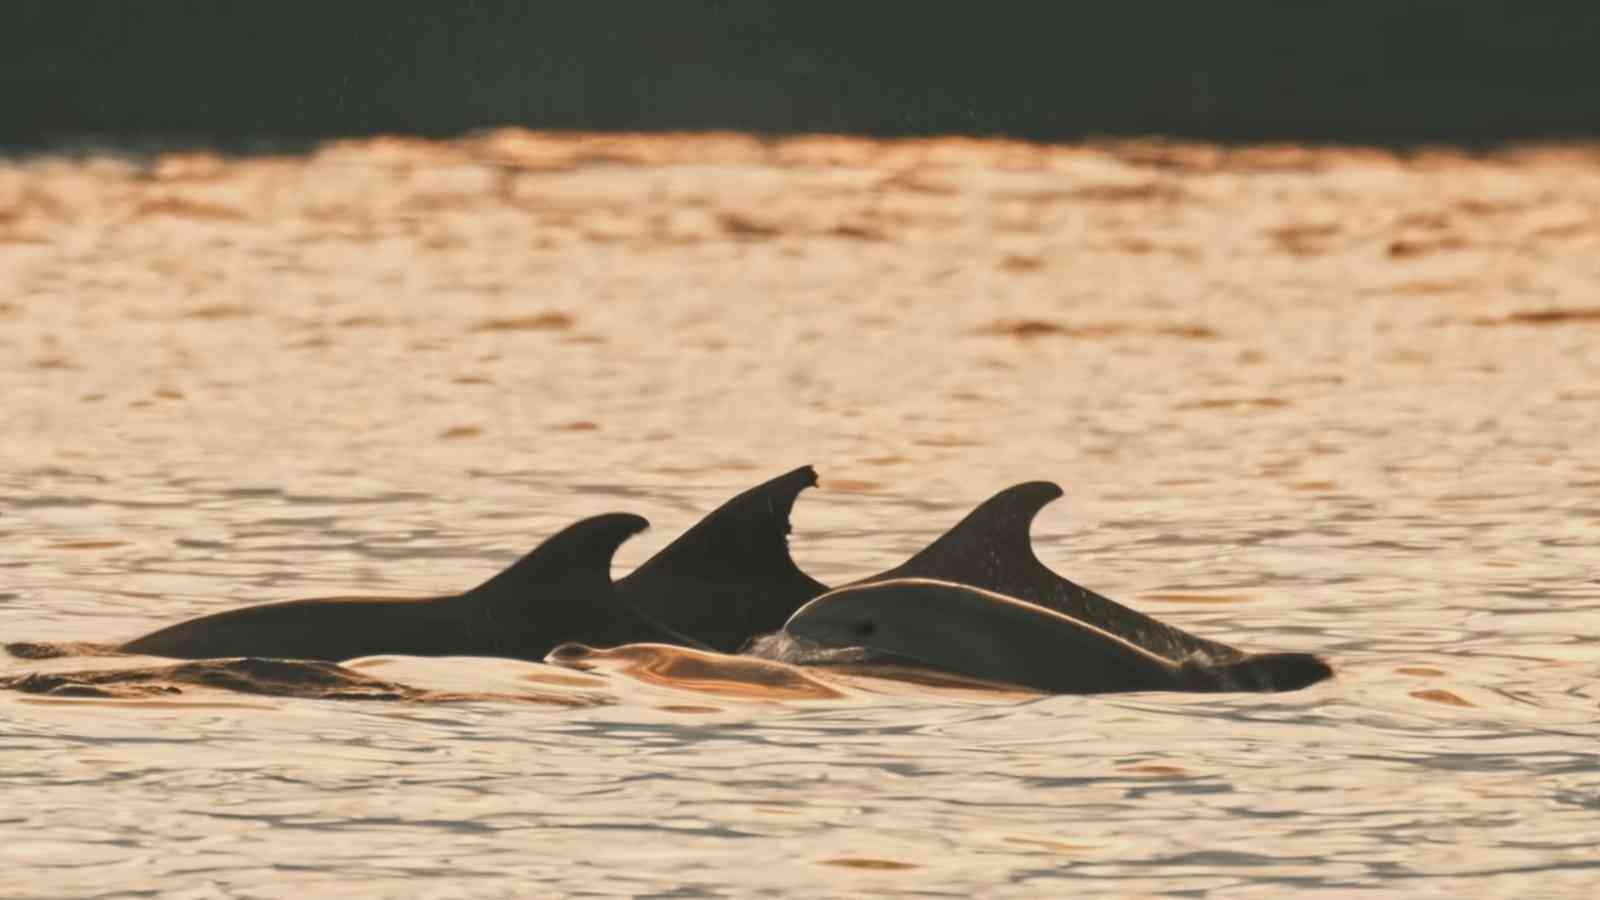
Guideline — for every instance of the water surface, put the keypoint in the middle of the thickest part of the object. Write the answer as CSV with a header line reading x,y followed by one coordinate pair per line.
x,y
1327,401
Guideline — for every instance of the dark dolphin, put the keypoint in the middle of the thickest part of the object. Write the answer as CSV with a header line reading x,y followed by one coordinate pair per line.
x,y
561,591
730,577
725,580
969,631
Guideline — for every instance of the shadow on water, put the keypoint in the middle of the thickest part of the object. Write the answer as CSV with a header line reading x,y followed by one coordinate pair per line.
x,y
300,679
654,665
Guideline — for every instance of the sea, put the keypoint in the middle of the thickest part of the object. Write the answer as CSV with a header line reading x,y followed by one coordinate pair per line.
x,y
1333,400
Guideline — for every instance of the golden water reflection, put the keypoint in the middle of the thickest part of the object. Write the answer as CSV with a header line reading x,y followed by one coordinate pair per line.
x,y
1334,400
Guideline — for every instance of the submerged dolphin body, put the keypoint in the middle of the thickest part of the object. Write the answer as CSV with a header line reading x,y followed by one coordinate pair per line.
x,y
561,591
969,631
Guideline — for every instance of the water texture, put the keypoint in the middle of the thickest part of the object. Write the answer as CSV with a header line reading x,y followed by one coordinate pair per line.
x,y
1335,401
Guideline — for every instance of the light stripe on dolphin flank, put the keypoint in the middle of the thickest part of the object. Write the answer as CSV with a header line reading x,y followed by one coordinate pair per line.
x,y
971,631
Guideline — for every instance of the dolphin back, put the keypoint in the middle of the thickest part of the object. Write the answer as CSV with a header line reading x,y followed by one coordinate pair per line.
x,y
991,549
730,577
560,591
970,631
966,630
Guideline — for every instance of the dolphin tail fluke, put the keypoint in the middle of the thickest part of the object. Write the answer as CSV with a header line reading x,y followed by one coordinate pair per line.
x,y
1265,672
730,576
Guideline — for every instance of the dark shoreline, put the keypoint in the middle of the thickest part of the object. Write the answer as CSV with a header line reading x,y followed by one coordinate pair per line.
x,y
241,75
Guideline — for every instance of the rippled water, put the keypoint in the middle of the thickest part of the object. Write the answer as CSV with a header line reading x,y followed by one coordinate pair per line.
x,y
1328,401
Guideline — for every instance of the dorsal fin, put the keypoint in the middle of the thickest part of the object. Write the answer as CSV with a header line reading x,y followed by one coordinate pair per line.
x,y
579,553
730,577
991,549
562,591
990,546
559,592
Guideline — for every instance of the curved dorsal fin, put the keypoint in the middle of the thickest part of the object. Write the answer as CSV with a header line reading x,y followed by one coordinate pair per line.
x,y
730,577
990,546
580,553
559,592
562,591
991,549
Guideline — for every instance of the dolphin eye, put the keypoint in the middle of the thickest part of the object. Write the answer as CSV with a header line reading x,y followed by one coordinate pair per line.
x,y
865,628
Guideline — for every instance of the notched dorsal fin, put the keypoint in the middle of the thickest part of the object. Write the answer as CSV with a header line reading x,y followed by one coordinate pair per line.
x,y
991,549
748,534
579,553
730,576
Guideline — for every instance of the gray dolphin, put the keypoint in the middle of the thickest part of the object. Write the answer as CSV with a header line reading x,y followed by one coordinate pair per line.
x,y
730,578
990,549
970,631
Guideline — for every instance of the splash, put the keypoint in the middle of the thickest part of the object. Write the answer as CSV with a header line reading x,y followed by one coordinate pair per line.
x,y
783,647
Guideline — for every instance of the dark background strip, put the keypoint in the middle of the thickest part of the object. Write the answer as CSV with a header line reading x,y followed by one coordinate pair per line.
x,y
1385,71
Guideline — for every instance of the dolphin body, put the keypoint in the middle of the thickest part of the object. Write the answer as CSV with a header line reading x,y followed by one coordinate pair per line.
x,y
725,581
970,631
558,592
730,578
722,582
990,549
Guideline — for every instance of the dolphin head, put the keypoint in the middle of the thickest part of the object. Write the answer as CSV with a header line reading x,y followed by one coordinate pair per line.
x,y
842,622
883,622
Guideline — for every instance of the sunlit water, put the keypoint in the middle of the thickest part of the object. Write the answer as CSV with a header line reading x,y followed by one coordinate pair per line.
x,y
1330,402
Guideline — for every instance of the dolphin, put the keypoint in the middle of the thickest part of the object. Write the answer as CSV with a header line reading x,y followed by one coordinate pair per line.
x,y
982,634
990,549
730,577
559,592
727,580
724,581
